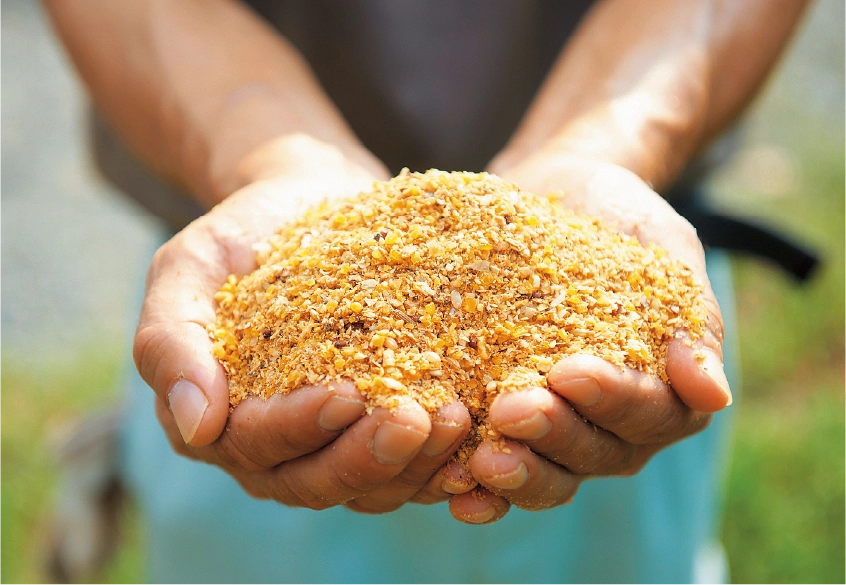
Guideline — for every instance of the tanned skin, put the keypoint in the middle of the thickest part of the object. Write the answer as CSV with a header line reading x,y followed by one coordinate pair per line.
x,y
216,101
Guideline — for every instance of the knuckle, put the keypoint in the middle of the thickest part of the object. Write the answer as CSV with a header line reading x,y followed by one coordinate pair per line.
x,y
293,445
252,489
535,505
566,437
549,497
715,327
605,460
619,415
699,422
713,308
638,461
714,324
669,424
145,348
565,494
309,501
571,493
269,437
551,487
289,489
353,484
414,478
366,506
234,453
632,469
427,496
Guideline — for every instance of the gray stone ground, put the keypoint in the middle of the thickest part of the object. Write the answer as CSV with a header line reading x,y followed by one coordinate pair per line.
x,y
74,251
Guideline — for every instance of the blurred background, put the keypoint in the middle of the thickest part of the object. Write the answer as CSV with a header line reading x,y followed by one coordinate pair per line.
x,y
74,253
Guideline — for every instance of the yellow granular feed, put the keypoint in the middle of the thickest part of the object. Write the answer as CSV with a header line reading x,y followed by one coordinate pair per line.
x,y
439,286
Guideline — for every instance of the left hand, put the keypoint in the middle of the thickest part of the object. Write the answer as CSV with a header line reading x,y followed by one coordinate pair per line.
x,y
314,447
598,419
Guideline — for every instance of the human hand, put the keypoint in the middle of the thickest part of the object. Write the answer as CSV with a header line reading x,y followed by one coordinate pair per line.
x,y
598,419
312,447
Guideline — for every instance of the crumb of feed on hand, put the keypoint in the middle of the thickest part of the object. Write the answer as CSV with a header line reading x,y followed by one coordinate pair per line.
x,y
440,286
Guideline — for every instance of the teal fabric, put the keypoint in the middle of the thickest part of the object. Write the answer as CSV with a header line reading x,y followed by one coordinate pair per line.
x,y
648,528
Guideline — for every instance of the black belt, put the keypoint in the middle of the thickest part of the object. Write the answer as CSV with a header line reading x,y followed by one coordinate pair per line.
x,y
717,230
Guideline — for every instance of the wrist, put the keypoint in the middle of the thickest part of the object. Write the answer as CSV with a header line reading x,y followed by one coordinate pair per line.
x,y
298,156
652,130
256,136
301,156
282,179
656,150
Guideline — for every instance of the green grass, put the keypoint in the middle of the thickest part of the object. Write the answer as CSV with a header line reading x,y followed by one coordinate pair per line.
x,y
784,517
785,503
36,400
784,511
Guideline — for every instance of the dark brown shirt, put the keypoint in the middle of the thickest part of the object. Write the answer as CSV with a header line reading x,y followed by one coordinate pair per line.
x,y
440,83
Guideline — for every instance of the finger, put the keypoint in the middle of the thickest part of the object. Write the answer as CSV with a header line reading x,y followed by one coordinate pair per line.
x,y
449,427
451,479
168,424
172,349
264,433
478,507
366,456
696,373
549,426
633,405
696,368
525,479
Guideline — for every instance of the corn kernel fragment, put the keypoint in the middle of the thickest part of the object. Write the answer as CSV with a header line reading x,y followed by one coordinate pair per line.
x,y
450,286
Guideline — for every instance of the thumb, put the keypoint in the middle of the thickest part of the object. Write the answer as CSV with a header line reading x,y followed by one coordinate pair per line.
x,y
172,349
696,368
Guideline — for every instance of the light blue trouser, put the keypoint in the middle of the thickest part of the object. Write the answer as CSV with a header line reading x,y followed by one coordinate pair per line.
x,y
658,526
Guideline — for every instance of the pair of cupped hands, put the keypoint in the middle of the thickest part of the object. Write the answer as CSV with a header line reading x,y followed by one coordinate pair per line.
x,y
315,447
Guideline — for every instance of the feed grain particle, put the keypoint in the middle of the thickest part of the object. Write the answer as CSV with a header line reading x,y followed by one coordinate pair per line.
x,y
439,286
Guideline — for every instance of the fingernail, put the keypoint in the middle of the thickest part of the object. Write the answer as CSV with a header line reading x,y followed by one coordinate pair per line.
x,y
188,405
442,437
713,368
480,517
529,429
511,480
395,443
456,479
580,391
338,413
456,487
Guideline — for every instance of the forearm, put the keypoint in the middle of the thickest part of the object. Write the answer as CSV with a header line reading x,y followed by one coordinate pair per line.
x,y
646,84
195,86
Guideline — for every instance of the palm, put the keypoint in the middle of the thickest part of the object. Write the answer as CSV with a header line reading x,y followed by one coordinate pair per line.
x,y
600,419
275,448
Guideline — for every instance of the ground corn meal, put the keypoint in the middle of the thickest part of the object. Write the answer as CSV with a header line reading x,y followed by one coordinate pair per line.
x,y
439,286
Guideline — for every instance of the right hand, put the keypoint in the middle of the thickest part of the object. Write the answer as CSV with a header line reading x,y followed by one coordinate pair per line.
x,y
313,447
596,418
